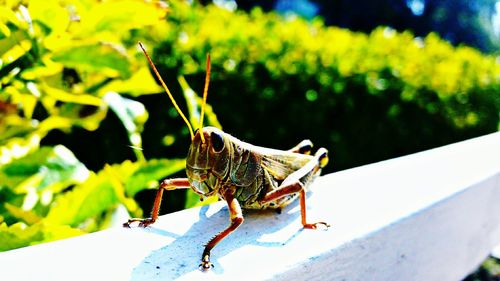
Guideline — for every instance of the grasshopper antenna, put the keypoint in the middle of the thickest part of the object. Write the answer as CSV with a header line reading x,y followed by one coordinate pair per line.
x,y
168,92
205,93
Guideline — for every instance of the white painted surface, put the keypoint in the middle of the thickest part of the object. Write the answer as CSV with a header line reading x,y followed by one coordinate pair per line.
x,y
434,215
496,252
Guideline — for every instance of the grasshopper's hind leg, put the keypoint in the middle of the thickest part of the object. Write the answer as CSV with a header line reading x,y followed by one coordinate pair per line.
x,y
167,184
236,216
304,147
296,182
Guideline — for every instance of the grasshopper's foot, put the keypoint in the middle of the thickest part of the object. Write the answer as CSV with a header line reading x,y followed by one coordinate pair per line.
x,y
315,225
142,222
205,264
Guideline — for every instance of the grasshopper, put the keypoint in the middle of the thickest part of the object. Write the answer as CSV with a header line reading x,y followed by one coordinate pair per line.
x,y
244,175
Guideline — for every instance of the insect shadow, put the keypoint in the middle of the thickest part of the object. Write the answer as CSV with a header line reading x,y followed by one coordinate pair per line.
x,y
182,255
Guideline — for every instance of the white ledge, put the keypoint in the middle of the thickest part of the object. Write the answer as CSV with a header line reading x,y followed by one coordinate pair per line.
x,y
433,215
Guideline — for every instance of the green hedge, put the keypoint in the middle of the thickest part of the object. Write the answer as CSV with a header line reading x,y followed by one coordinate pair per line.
x,y
277,80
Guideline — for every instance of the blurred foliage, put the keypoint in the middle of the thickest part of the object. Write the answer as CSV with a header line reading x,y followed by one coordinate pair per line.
x,y
61,67
84,132
457,21
364,97
488,271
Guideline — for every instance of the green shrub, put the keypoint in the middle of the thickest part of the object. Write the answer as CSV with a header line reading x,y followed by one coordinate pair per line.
x,y
364,97
61,67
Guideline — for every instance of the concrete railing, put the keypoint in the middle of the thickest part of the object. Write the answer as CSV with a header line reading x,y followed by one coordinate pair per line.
x,y
433,215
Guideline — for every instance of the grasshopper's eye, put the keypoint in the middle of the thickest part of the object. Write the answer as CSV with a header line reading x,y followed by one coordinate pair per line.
x,y
217,142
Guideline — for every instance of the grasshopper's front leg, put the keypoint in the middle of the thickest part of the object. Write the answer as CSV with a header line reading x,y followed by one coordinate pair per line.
x,y
236,216
167,184
296,181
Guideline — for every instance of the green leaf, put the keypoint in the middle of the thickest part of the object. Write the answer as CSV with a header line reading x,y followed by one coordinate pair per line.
x,y
131,113
194,103
50,13
148,175
103,58
104,191
51,168
27,216
120,16
85,201
21,48
141,83
7,195
17,147
19,235
67,97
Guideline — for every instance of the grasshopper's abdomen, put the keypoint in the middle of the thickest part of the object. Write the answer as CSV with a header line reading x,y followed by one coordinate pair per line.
x,y
270,176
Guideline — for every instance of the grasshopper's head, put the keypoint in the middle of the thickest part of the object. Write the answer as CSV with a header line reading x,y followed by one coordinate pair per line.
x,y
208,160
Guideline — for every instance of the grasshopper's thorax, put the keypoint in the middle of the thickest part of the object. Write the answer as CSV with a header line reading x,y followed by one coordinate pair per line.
x,y
207,162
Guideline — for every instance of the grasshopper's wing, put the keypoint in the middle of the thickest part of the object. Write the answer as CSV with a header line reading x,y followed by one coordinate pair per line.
x,y
280,164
